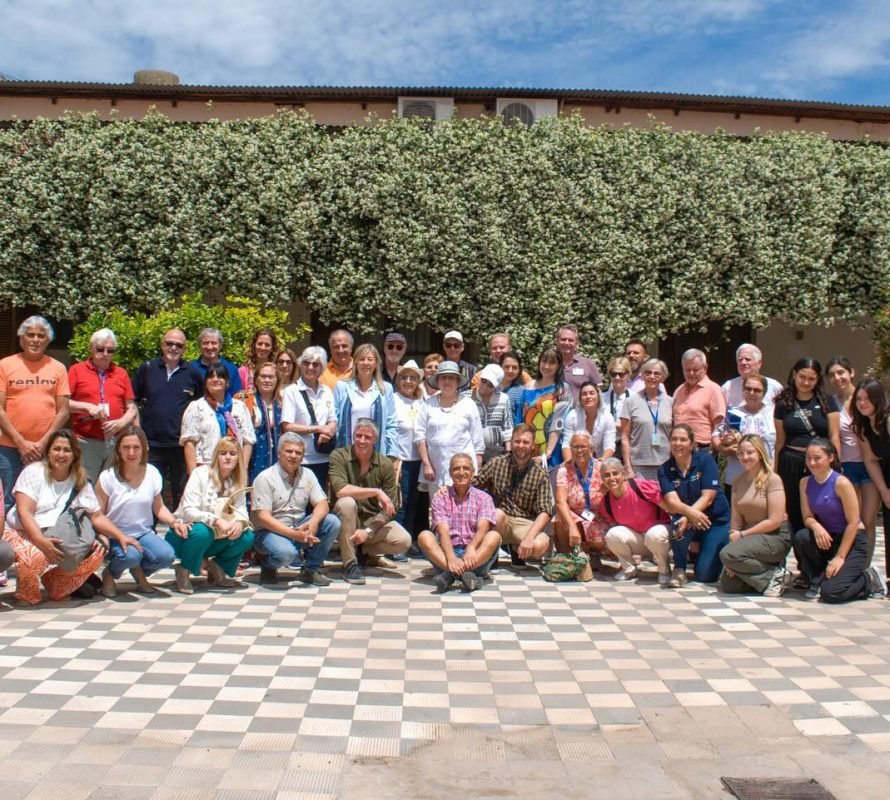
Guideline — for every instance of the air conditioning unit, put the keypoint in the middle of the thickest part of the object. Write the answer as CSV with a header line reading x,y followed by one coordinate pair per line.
x,y
434,108
520,110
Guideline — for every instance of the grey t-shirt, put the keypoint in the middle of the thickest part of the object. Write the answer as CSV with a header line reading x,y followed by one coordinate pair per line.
x,y
642,427
272,491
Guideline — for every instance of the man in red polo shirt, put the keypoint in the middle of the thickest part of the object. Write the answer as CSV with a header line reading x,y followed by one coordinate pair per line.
x,y
102,402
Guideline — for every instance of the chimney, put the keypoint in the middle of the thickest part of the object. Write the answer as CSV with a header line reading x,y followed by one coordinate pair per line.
x,y
155,77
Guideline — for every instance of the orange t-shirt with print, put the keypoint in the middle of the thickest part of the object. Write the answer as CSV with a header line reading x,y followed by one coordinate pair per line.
x,y
31,389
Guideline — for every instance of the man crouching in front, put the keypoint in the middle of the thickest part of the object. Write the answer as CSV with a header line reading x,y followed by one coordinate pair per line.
x,y
365,491
464,544
281,495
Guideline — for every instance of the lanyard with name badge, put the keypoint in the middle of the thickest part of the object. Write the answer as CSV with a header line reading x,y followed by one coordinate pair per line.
x,y
587,513
656,435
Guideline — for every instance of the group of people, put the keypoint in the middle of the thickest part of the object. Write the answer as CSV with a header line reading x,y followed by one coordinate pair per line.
x,y
286,459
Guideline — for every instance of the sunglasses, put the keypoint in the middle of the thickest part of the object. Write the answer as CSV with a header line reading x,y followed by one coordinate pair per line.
x,y
395,346
617,374
108,350
174,345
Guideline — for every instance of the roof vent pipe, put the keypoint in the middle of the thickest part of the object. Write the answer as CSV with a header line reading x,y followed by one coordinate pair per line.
x,y
155,77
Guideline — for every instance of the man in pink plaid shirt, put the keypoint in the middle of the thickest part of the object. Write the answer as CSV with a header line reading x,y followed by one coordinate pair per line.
x,y
463,543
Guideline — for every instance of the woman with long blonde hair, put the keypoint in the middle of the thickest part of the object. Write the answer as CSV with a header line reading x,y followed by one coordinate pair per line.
x,y
217,528
759,534
366,396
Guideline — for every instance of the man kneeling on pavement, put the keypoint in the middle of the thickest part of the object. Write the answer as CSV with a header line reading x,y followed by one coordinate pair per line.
x,y
522,497
284,531
464,518
365,491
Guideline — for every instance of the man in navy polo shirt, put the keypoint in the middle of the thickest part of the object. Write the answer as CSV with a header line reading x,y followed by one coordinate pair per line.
x,y
163,388
210,340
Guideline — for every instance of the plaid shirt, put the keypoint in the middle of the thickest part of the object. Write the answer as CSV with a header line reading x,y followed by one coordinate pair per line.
x,y
461,516
519,494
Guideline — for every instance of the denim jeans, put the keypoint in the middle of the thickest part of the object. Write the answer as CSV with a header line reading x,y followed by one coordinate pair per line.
x,y
707,561
482,570
409,490
156,554
279,551
10,467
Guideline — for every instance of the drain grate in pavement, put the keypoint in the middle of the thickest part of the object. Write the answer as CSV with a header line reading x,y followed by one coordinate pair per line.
x,y
777,789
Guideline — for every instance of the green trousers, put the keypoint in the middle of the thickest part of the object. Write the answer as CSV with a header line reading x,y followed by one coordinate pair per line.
x,y
200,544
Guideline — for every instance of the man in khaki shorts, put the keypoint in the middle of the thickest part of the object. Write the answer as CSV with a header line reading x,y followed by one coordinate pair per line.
x,y
522,496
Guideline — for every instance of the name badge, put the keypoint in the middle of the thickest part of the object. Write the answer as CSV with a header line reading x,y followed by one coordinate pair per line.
x,y
587,515
578,371
656,438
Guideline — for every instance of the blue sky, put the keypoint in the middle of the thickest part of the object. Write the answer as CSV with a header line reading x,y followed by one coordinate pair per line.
x,y
800,49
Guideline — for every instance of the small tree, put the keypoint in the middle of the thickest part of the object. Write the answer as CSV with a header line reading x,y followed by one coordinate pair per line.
x,y
139,334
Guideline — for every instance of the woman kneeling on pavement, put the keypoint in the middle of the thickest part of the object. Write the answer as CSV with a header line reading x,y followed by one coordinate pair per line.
x,y
130,495
690,484
833,547
759,533
214,509
636,511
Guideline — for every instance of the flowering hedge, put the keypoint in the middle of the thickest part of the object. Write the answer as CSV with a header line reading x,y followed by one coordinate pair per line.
x,y
464,223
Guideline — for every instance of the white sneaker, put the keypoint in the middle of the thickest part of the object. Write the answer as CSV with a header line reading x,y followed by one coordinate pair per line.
x,y
778,582
877,581
664,578
625,574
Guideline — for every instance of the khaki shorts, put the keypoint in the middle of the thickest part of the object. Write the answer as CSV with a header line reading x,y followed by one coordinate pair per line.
x,y
518,528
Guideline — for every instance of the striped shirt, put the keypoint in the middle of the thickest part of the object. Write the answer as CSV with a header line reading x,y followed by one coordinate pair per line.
x,y
461,516
497,423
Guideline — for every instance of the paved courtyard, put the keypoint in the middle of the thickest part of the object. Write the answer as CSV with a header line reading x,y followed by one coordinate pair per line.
x,y
524,689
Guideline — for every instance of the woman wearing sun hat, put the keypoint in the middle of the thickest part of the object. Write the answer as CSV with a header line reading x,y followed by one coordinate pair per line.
x,y
448,423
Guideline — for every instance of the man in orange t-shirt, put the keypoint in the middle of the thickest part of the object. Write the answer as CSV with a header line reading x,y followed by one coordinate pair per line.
x,y
339,367
33,402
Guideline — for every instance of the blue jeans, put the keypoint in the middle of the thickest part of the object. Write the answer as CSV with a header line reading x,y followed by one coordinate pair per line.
x,y
409,491
707,561
156,554
483,569
279,551
10,467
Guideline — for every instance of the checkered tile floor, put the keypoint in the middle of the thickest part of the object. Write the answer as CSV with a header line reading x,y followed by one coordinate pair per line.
x,y
311,693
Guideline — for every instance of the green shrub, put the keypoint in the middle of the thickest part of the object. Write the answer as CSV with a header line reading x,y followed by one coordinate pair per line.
x,y
139,334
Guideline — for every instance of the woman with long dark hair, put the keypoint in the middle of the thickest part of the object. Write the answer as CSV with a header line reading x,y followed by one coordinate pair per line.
x,y
871,423
802,413
832,549
513,384
545,404
263,349
42,492
841,375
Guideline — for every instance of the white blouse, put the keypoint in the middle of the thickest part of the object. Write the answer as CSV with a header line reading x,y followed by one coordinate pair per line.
x,y
200,425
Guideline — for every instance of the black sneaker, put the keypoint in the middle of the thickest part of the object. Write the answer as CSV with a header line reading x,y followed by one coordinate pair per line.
x,y
515,560
352,573
443,582
268,575
314,577
471,581
88,589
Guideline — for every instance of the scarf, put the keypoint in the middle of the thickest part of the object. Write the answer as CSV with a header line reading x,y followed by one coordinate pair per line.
x,y
224,418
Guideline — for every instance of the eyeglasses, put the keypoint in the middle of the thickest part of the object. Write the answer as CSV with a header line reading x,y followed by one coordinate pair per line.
x,y
617,374
285,361
652,372
451,345
306,364
109,350
408,377
755,389
395,346
174,345
580,447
